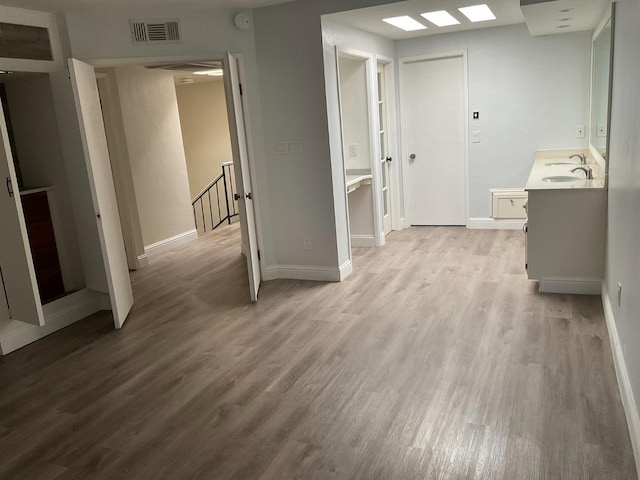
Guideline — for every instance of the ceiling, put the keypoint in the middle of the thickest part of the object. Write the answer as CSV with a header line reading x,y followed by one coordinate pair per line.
x,y
541,16
70,5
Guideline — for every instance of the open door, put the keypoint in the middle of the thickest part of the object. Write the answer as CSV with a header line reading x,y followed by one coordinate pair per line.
x,y
241,163
94,142
19,295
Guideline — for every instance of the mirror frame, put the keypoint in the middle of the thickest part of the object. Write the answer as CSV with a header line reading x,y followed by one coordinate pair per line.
x,y
604,161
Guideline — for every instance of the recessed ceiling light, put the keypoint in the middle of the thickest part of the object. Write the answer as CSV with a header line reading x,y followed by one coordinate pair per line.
x,y
441,18
405,23
478,13
216,72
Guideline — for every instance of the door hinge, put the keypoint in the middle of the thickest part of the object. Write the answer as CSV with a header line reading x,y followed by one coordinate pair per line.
x,y
4,289
241,92
259,258
9,187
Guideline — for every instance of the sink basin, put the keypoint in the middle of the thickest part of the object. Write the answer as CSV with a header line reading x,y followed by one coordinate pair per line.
x,y
559,164
560,178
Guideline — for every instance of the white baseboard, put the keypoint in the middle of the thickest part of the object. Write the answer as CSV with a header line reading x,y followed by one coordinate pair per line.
x,y
307,272
143,260
363,241
576,286
487,223
57,315
345,270
624,384
171,242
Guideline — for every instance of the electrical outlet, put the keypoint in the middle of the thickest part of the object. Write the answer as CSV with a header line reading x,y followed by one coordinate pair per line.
x,y
306,243
476,136
353,150
579,131
619,293
282,148
601,131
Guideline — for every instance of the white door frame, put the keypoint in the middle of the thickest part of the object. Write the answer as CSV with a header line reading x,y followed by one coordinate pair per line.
x,y
392,139
403,125
372,110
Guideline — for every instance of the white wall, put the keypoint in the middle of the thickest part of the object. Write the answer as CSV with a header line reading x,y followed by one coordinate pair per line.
x,y
355,113
205,131
307,190
623,231
42,164
156,152
531,93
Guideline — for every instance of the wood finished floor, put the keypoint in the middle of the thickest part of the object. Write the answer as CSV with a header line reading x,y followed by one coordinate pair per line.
x,y
436,359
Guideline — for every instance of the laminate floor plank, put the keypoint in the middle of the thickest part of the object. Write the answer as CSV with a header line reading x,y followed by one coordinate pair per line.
x,y
435,359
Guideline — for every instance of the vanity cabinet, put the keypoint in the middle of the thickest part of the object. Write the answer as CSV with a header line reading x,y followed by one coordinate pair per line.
x,y
565,231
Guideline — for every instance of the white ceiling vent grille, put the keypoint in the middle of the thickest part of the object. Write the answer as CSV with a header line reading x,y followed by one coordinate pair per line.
x,y
155,31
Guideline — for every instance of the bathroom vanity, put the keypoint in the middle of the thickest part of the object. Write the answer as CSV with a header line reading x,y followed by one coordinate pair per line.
x,y
566,227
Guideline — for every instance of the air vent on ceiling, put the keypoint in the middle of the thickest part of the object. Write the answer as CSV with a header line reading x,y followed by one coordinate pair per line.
x,y
155,31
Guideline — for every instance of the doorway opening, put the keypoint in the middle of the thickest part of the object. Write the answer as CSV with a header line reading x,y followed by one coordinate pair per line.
x,y
175,133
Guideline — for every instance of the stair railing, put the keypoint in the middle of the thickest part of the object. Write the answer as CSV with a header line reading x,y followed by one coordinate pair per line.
x,y
210,212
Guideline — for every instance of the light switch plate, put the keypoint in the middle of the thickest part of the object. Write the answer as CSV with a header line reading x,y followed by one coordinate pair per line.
x,y
295,146
353,150
580,131
282,148
476,136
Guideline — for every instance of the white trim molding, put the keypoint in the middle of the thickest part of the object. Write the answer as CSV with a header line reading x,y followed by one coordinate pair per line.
x,y
171,242
345,269
363,241
487,223
143,260
624,384
308,272
57,315
571,285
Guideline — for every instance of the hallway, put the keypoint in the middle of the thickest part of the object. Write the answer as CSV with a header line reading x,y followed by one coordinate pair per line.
x,y
437,358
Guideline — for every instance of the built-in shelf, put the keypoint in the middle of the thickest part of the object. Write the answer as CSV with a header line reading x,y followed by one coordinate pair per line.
x,y
356,181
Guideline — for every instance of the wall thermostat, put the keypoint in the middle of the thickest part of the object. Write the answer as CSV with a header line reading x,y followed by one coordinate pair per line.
x,y
242,21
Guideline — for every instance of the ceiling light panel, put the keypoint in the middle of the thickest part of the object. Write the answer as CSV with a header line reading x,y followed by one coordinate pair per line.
x,y
478,13
405,23
441,18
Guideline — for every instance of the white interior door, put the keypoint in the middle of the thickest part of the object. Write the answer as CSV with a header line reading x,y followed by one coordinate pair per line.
x,y
19,295
435,114
385,159
94,142
243,177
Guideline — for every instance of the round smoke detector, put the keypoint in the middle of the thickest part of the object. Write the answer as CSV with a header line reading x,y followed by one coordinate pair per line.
x,y
242,21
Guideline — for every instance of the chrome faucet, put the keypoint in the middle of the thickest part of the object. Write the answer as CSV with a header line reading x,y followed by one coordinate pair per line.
x,y
581,156
587,171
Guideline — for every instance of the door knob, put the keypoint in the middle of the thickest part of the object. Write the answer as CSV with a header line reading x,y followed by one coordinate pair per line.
x,y
248,195
412,156
389,159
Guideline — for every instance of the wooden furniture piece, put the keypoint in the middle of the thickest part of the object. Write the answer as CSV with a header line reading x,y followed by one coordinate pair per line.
x,y
42,240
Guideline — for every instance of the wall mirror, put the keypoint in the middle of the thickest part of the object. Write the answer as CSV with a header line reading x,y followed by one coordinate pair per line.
x,y
601,70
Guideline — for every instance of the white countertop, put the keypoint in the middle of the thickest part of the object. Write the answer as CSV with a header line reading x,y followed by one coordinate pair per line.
x,y
355,181
541,170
